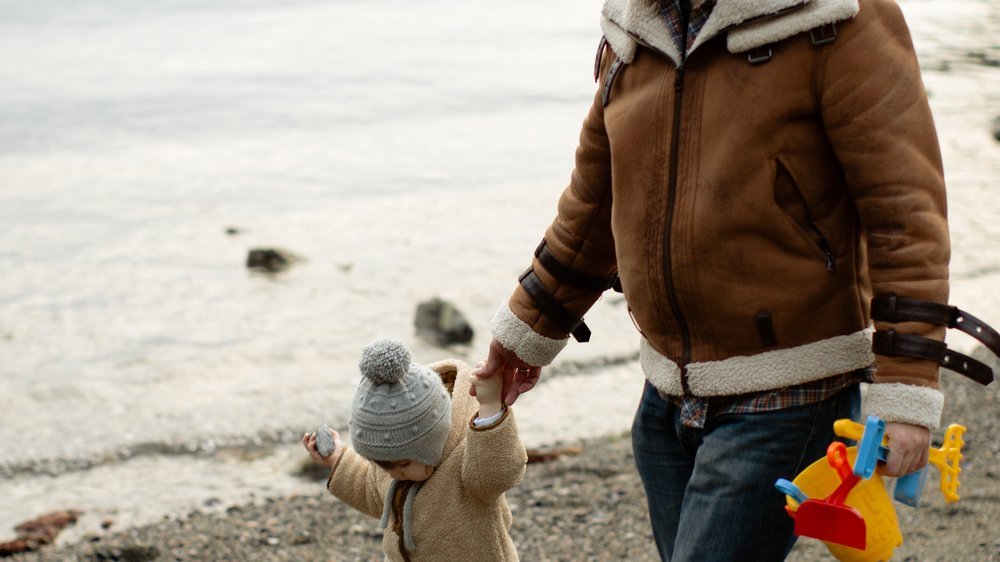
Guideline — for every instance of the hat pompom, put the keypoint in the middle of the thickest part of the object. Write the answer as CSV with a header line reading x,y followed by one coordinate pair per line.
x,y
384,361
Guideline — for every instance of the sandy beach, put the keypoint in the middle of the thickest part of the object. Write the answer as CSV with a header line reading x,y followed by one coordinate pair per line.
x,y
578,507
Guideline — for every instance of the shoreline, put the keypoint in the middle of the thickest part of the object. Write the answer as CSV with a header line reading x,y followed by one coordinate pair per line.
x,y
143,489
588,506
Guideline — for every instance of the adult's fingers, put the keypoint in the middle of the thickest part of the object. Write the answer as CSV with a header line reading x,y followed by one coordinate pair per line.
x,y
493,364
495,359
534,373
523,379
908,448
898,463
513,379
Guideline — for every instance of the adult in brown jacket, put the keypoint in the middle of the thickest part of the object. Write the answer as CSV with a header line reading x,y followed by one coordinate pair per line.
x,y
754,172
459,512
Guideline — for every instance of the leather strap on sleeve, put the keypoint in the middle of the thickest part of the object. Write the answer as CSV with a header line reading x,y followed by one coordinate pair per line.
x,y
571,276
891,342
890,308
551,308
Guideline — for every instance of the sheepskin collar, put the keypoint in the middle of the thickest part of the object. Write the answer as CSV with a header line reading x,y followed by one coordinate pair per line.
x,y
747,23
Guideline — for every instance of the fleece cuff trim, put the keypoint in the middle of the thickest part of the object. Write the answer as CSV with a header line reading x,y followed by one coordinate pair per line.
x,y
517,336
906,403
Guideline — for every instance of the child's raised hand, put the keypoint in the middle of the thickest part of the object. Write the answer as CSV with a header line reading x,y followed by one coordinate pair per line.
x,y
487,392
309,442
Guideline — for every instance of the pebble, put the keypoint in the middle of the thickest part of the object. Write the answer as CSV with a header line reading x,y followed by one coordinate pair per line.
x,y
324,441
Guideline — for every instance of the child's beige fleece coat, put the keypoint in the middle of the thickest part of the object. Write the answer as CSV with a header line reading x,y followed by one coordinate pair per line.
x,y
460,513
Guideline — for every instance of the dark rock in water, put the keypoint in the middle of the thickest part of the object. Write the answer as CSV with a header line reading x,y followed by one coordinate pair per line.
x,y
440,322
270,260
324,441
996,127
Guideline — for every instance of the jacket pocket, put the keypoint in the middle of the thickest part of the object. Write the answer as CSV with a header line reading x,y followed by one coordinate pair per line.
x,y
789,198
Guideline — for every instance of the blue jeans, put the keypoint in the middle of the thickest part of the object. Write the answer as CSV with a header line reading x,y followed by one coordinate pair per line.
x,y
711,490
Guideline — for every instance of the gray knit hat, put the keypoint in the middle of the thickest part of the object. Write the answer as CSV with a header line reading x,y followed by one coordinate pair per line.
x,y
401,410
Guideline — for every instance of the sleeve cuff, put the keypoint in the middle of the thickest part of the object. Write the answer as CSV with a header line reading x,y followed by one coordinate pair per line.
x,y
490,421
514,334
905,403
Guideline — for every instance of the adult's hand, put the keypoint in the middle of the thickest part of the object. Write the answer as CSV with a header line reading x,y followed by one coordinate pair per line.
x,y
518,376
908,448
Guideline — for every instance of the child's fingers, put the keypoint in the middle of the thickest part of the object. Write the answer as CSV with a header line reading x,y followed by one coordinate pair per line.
x,y
309,442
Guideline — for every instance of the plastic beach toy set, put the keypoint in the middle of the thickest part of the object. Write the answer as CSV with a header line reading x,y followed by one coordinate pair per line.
x,y
842,499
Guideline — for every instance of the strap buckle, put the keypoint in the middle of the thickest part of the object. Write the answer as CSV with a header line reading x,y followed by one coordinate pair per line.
x,y
823,34
760,55
551,308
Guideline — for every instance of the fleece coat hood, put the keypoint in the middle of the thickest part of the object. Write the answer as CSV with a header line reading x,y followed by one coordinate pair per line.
x,y
461,508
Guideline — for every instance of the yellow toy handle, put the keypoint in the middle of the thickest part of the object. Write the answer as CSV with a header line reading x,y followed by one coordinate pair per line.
x,y
946,458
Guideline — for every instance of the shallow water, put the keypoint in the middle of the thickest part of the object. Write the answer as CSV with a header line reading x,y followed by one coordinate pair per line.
x,y
379,148
405,151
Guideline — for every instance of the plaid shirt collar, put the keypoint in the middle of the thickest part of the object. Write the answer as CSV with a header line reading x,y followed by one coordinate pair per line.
x,y
673,14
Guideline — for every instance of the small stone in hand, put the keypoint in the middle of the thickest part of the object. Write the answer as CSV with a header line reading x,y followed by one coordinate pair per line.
x,y
324,441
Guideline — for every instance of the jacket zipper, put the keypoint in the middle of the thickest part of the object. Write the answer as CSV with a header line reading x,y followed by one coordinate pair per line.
x,y
824,244
809,224
672,189
821,240
675,138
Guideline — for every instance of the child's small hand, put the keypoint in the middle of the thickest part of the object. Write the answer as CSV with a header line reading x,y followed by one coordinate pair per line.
x,y
309,442
487,392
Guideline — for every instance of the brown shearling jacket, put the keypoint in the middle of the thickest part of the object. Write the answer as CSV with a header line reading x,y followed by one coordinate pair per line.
x,y
752,210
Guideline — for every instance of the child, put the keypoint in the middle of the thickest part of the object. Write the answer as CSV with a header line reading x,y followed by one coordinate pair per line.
x,y
416,428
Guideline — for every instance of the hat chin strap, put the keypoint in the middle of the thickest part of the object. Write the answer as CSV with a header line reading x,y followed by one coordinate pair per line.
x,y
387,504
407,511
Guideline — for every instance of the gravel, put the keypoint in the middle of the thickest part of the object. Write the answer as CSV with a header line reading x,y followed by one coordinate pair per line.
x,y
584,507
